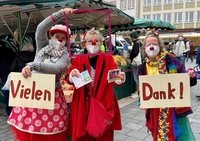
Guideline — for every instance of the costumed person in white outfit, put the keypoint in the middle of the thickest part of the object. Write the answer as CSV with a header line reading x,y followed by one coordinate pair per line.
x,y
34,124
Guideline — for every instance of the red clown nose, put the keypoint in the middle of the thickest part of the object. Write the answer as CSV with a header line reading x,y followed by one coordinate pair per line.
x,y
60,40
151,48
93,43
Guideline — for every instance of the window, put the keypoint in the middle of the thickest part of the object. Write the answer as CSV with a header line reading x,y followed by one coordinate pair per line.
x,y
131,4
167,17
189,16
147,17
190,0
147,2
123,5
156,16
157,2
167,1
178,1
178,17
198,16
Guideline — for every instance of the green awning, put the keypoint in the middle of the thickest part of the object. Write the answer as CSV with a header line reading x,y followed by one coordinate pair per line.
x,y
141,23
162,25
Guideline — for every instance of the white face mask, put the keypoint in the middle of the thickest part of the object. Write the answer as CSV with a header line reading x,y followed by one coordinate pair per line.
x,y
92,49
56,44
152,50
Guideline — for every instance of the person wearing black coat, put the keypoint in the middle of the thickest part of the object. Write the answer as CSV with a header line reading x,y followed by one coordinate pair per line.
x,y
26,55
136,50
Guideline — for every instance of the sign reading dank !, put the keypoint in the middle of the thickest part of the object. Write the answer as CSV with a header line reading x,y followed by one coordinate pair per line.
x,y
169,90
37,91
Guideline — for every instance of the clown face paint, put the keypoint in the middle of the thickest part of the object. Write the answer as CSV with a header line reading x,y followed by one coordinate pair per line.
x,y
92,49
152,50
57,44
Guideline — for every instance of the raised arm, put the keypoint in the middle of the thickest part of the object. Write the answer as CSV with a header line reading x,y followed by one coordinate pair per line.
x,y
42,29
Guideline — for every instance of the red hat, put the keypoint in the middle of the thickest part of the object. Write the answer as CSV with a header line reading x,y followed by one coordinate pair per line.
x,y
59,28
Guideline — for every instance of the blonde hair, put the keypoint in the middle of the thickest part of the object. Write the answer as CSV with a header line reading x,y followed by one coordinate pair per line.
x,y
152,34
92,32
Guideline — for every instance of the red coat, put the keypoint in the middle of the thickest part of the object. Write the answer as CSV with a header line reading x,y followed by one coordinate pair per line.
x,y
105,94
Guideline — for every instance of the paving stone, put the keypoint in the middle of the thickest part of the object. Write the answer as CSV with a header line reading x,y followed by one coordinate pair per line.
x,y
197,136
132,126
132,139
124,131
143,129
120,136
149,138
137,134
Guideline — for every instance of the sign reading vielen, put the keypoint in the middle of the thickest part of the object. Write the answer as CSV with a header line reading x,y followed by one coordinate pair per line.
x,y
37,91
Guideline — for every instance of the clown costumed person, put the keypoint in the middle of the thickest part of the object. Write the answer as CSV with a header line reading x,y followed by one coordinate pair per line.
x,y
34,124
165,124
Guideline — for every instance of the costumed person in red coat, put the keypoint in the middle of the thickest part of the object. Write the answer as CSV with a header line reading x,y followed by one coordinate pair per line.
x,y
97,64
165,124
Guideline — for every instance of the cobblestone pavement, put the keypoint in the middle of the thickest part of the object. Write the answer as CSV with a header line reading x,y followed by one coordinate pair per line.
x,y
133,119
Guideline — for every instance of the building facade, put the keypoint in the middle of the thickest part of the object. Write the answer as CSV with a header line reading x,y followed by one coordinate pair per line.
x,y
130,7
184,14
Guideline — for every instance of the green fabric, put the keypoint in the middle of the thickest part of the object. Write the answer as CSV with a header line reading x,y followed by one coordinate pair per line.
x,y
1,98
102,48
127,88
146,23
187,134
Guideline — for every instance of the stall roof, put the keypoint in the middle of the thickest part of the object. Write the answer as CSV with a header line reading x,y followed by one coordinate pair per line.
x,y
37,10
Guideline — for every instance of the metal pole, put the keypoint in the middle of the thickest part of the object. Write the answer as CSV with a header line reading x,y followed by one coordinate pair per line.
x,y
19,21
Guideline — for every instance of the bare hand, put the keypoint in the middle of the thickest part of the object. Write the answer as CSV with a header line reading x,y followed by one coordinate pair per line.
x,y
26,71
192,73
121,75
69,11
75,73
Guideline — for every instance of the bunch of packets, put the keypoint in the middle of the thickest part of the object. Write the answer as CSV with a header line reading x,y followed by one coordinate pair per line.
x,y
113,75
82,80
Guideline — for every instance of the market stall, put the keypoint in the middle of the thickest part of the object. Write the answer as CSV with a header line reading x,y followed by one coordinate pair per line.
x,y
129,86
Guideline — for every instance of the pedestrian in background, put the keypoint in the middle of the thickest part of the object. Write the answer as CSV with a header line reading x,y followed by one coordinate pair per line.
x,y
34,124
181,47
165,124
190,53
136,58
26,55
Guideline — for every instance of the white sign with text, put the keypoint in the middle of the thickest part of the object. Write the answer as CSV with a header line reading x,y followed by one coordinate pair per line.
x,y
169,90
37,91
